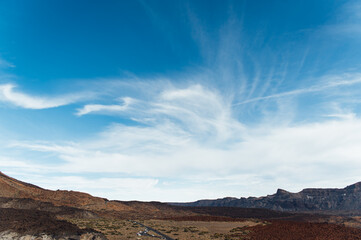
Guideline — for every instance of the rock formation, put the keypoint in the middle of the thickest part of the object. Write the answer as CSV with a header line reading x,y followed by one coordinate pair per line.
x,y
310,199
21,224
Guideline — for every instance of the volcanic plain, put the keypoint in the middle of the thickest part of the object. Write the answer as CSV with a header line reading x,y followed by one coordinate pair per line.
x,y
30,212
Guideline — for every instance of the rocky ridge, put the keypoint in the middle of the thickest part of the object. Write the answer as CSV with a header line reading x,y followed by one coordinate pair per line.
x,y
310,199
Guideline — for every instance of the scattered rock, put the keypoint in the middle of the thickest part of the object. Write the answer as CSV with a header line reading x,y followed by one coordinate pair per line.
x,y
35,225
10,235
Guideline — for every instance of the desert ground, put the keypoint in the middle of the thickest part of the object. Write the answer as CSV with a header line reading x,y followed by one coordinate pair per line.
x,y
31,212
255,229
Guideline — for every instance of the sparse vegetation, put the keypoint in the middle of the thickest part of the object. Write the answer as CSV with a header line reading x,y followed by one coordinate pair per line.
x,y
183,230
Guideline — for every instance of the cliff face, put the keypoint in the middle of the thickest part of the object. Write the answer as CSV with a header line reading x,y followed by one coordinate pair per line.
x,y
12,188
312,199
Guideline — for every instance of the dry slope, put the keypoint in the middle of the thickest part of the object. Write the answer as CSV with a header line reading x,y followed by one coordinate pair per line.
x,y
12,188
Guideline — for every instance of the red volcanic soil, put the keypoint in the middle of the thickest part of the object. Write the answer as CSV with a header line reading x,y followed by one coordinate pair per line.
x,y
204,218
279,230
236,212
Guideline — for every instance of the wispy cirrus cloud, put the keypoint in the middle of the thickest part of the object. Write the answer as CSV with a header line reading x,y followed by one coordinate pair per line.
x,y
219,130
334,82
8,94
347,21
283,156
100,108
191,134
194,110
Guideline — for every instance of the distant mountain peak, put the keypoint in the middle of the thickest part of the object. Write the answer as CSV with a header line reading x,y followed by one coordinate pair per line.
x,y
356,186
282,192
309,199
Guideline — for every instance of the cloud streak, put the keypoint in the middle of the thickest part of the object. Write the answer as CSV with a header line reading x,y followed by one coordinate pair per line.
x,y
193,110
100,108
313,89
8,94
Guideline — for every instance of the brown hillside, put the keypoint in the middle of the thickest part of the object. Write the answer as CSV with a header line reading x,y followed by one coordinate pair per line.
x,y
12,188
303,231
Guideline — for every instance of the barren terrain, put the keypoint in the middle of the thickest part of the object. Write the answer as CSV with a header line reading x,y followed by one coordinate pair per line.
x,y
207,230
29,210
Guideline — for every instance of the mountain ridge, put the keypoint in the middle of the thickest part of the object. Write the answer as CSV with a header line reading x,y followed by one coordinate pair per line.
x,y
15,193
308,199
13,188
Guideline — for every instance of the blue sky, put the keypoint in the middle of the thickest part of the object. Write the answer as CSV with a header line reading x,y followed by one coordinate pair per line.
x,y
180,100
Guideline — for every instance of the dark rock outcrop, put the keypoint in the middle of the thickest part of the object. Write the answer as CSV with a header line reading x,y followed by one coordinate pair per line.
x,y
310,199
26,224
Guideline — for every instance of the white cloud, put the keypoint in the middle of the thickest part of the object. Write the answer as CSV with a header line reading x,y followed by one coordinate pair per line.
x,y
194,110
99,108
10,95
346,22
332,83
192,137
309,155
19,165
112,188
117,188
